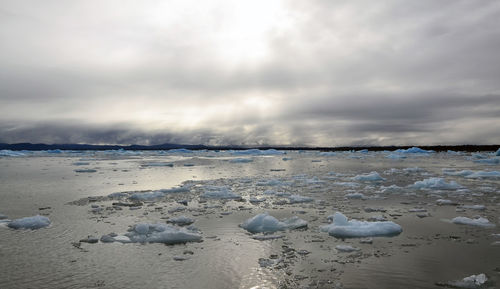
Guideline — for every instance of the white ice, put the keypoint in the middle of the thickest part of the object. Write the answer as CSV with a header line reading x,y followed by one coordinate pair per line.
x,y
158,233
436,184
478,221
215,192
471,282
370,177
35,222
341,227
267,223
299,199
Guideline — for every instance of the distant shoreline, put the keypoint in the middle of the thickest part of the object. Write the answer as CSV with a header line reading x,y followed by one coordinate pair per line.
x,y
82,147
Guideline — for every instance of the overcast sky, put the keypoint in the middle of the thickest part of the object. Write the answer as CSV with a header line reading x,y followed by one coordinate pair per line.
x,y
310,72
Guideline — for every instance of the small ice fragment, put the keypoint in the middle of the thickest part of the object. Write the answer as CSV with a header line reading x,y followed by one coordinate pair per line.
x,y
366,241
142,229
241,160
299,199
346,248
181,221
341,227
266,223
471,282
35,222
370,177
443,202
214,192
436,184
85,171
479,221
357,196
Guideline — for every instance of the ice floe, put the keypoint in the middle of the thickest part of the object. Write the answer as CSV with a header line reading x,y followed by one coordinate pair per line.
x,y
215,192
436,184
346,248
155,233
370,177
241,160
341,227
181,221
358,196
299,199
35,222
478,221
10,153
471,282
266,223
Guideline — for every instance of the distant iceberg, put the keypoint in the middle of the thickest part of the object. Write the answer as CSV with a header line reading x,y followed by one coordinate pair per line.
x,y
414,150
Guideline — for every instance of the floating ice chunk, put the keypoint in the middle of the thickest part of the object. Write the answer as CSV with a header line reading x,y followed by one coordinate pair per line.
x,y
414,150
214,192
357,196
443,202
269,192
180,151
85,171
395,156
474,207
271,183
436,184
484,175
35,222
241,160
256,200
157,164
299,199
490,161
463,173
497,153
147,196
286,159
413,170
346,248
81,163
471,282
257,152
391,189
347,184
181,189
267,237
158,233
10,153
343,228
479,221
370,177
327,154
117,195
181,221
266,223
3,217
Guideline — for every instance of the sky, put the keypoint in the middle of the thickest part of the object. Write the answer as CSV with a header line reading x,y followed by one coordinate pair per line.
x,y
260,72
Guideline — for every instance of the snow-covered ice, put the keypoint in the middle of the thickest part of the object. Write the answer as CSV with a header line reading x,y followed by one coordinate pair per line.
x,y
341,227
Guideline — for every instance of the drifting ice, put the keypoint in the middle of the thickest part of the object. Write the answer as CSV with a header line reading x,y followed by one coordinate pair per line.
x,y
35,222
436,184
371,177
266,223
343,228
479,221
156,233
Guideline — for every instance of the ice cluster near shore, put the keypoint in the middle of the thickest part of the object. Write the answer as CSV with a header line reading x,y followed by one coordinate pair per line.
x,y
341,227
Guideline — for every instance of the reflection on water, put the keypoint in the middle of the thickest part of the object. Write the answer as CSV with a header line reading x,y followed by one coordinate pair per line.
x,y
429,250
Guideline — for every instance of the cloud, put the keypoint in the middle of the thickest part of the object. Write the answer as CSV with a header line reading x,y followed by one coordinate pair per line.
x,y
304,73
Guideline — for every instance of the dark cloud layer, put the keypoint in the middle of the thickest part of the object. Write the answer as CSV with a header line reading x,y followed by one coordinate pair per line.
x,y
262,72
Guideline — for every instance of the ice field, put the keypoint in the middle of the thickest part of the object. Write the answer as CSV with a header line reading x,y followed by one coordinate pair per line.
x,y
249,219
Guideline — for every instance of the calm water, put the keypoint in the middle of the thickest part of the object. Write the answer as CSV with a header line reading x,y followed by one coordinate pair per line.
x,y
430,249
